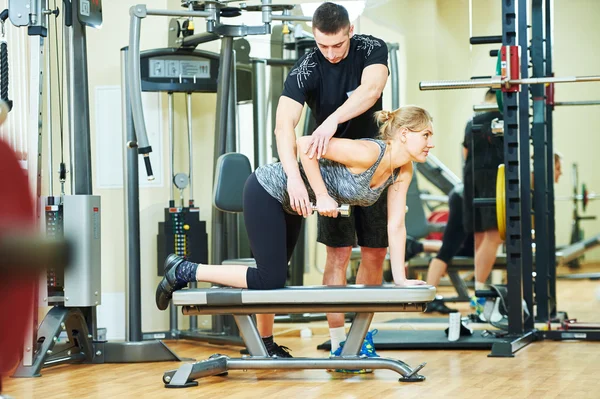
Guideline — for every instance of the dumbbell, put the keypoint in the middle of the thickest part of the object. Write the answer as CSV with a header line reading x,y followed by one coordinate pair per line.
x,y
344,209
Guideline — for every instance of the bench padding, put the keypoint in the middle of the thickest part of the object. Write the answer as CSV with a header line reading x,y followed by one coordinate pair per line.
x,y
311,295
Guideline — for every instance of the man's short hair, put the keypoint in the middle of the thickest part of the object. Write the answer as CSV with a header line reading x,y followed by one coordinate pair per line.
x,y
330,18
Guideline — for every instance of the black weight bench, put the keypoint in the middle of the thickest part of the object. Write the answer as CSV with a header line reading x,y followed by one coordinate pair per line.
x,y
243,303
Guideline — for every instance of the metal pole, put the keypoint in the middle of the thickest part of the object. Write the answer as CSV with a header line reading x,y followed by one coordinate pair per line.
x,y
290,18
49,120
540,170
259,111
134,81
574,103
514,261
224,79
77,84
496,82
171,149
190,149
393,49
218,253
132,204
489,107
232,145
548,40
176,13
524,138
196,40
485,108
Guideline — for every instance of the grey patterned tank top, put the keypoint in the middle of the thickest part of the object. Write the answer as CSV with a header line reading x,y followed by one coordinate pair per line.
x,y
342,185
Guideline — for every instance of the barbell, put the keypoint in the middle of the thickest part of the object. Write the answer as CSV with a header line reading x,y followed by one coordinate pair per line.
x,y
507,77
493,107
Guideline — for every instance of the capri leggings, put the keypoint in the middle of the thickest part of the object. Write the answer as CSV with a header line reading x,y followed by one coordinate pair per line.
x,y
456,240
272,233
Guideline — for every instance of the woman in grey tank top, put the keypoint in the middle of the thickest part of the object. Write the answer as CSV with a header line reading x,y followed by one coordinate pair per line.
x,y
353,172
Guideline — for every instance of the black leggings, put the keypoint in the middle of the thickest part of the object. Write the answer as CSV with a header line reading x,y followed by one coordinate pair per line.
x,y
272,233
456,240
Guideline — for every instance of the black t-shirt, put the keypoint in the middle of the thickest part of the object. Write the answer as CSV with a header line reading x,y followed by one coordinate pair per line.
x,y
324,86
485,149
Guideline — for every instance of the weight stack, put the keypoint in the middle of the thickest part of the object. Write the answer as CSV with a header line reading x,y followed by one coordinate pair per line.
x,y
184,234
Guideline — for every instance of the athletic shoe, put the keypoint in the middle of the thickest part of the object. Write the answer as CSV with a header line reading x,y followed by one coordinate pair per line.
x,y
367,349
168,284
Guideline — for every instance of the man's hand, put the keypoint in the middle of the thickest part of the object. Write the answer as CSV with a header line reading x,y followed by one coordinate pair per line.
x,y
327,206
299,200
408,283
321,137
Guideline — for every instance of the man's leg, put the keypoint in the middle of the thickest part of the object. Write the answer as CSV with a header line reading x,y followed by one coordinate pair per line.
x,y
372,237
338,235
336,265
485,256
370,271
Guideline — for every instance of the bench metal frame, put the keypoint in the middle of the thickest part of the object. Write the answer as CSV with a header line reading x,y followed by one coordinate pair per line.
x,y
297,300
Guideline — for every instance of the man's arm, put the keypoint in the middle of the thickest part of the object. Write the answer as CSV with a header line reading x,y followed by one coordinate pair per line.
x,y
288,115
371,86
286,120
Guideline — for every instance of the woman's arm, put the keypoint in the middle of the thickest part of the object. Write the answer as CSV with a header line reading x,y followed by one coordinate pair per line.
x,y
396,225
355,154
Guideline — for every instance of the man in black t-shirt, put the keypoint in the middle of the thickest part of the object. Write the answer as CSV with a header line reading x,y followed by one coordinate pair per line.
x,y
341,81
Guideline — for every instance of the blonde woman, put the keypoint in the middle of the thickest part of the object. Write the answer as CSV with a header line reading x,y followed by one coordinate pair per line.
x,y
354,172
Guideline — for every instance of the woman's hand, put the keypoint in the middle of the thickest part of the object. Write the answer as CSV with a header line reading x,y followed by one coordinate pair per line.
x,y
327,206
299,200
408,283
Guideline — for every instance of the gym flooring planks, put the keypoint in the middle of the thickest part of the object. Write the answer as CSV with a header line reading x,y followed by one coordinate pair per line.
x,y
541,370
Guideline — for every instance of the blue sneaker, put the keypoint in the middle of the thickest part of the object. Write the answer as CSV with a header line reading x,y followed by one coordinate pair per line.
x,y
367,349
478,304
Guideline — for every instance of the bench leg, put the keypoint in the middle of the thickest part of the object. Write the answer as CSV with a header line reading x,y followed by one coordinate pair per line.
x,y
459,286
250,334
357,333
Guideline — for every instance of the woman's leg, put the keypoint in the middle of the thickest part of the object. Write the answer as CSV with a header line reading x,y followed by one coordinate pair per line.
x,y
265,322
266,226
452,241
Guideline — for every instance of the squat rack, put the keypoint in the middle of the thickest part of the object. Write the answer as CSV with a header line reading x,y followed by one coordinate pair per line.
x,y
519,256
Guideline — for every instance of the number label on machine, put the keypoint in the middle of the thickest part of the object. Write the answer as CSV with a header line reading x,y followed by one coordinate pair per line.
x,y
175,68
178,71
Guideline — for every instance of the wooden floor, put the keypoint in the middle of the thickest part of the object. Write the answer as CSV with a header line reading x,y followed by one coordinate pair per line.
x,y
541,370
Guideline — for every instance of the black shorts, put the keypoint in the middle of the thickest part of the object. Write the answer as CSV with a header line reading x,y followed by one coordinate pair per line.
x,y
479,219
366,226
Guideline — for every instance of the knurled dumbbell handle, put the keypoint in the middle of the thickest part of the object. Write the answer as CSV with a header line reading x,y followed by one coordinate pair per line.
x,y
344,209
